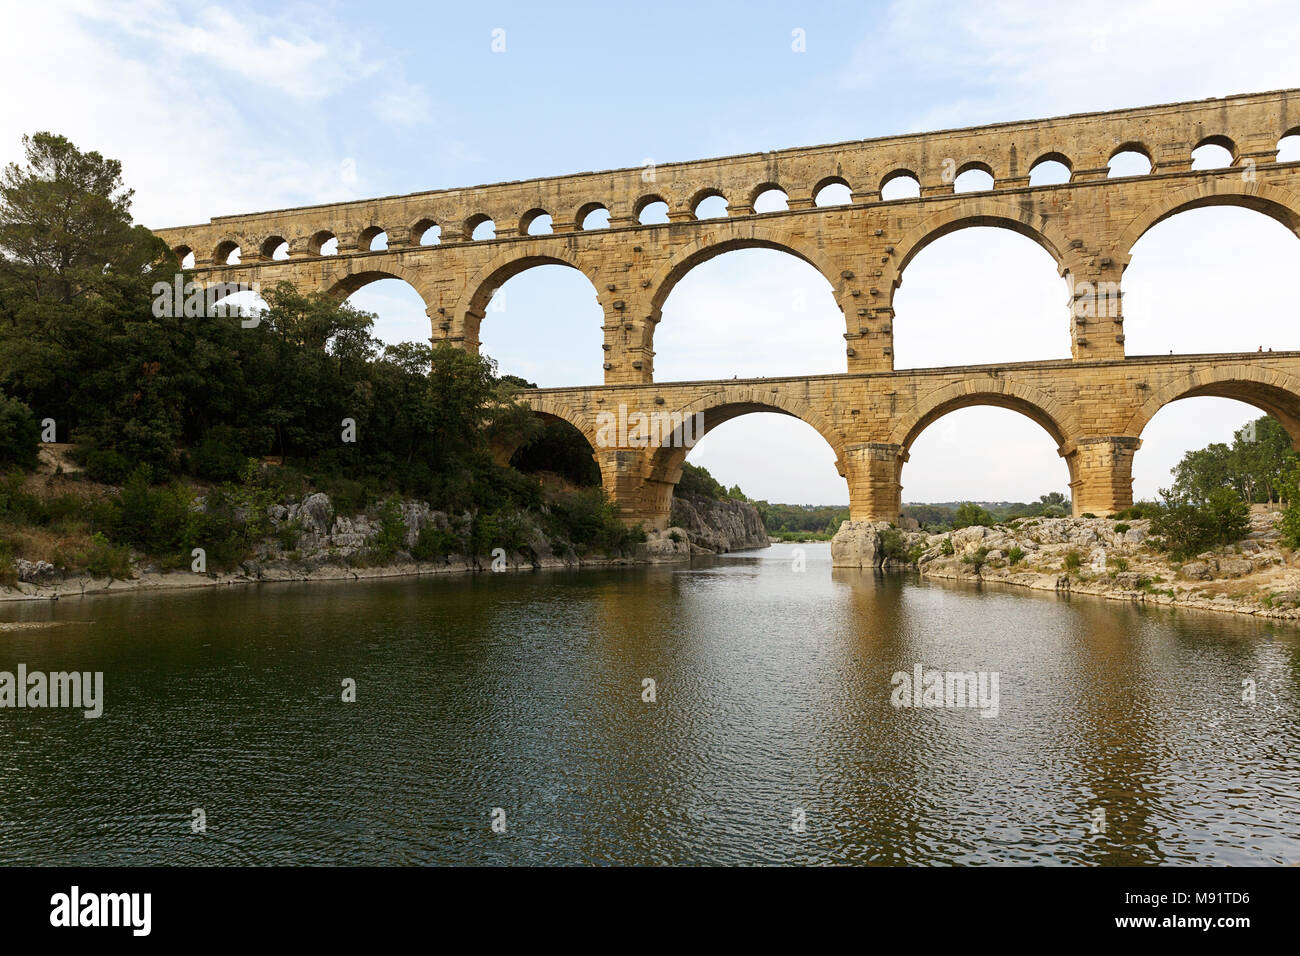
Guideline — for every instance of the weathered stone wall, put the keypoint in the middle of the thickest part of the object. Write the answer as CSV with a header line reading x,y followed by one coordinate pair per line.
x,y
1094,406
1088,225
719,525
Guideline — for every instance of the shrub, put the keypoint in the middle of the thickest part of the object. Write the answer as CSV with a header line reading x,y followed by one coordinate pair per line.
x,y
1015,555
434,544
20,435
107,466
1073,560
893,544
969,514
389,538
946,547
219,456
1185,528
976,559
1121,528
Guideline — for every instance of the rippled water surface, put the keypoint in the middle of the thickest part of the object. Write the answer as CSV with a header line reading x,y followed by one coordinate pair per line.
x,y
524,692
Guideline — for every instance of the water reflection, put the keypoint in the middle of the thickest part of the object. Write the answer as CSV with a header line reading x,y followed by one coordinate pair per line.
x,y
773,696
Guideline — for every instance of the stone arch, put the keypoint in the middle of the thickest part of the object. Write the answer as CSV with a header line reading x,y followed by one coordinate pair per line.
x,y
981,210
664,464
1271,390
548,409
746,235
1273,201
516,258
1056,418
342,282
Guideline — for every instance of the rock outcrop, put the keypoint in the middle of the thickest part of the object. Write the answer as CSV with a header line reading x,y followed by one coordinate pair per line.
x,y
719,525
1100,556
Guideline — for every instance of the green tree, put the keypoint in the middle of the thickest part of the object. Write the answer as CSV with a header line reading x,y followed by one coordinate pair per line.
x,y
968,513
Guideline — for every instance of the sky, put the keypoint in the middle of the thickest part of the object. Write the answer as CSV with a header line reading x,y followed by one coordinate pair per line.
x,y
228,108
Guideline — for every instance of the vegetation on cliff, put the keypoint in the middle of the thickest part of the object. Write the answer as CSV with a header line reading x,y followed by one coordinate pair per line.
x,y
157,414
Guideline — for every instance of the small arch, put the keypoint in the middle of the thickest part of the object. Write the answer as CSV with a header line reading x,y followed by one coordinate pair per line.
x,y
480,227
768,197
426,232
709,204
651,210
1288,147
1050,169
227,253
1214,152
184,256
900,184
323,243
1129,159
973,177
536,222
593,215
373,239
275,247
832,191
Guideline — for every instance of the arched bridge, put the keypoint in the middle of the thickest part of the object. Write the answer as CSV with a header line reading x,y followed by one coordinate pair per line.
x,y
1094,405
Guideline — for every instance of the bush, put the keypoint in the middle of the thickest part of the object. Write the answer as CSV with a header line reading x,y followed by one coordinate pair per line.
x,y
1139,510
1185,528
893,544
976,559
434,544
106,466
1121,528
20,435
1015,555
1073,560
969,514
219,456
946,547
391,534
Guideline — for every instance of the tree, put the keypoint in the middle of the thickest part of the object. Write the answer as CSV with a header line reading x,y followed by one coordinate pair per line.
x,y
968,513
65,221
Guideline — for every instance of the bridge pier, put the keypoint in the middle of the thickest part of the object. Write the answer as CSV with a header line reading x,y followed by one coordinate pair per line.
x,y
1101,473
873,471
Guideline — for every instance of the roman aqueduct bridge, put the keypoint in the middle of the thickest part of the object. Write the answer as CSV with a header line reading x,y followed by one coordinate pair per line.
x,y
1094,405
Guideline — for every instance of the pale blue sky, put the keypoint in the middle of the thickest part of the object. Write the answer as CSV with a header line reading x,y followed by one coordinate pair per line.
x,y
226,108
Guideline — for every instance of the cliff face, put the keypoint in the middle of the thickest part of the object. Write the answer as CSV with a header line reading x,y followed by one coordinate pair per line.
x,y
1113,559
719,526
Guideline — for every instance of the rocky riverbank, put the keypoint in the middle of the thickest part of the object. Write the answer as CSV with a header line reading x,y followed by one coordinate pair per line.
x,y
1108,558
719,525
309,542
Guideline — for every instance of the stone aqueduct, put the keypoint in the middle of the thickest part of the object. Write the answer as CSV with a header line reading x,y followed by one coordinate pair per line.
x,y
1094,405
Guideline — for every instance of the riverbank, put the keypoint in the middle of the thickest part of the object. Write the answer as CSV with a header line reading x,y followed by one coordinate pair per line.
x,y
1104,557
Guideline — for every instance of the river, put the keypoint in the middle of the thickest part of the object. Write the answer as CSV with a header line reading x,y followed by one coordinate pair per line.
x,y
1120,735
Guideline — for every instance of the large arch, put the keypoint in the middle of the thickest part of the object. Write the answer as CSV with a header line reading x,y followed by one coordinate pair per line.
x,y
1054,417
705,249
512,262
1270,390
1057,418
1273,201
665,463
341,283
752,236
981,212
